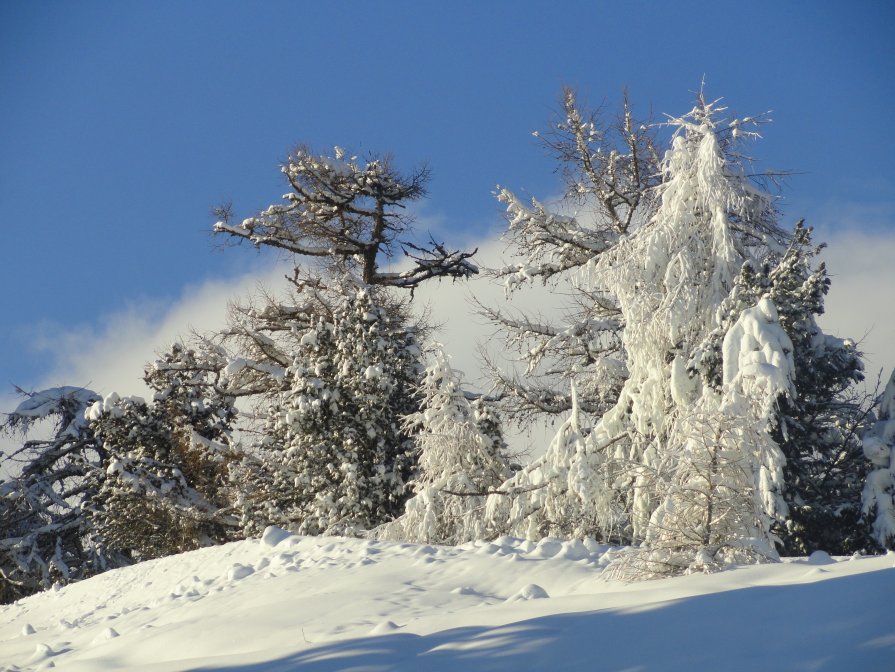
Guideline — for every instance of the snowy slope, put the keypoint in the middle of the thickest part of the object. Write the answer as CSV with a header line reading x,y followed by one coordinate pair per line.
x,y
288,602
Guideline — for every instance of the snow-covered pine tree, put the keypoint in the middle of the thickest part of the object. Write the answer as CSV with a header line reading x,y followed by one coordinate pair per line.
x,y
44,530
335,459
818,427
879,490
167,486
349,213
459,464
145,508
333,368
610,169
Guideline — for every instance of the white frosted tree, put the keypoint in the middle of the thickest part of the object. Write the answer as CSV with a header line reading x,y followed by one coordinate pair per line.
x,y
879,490
458,464
609,169
724,490
668,278
561,494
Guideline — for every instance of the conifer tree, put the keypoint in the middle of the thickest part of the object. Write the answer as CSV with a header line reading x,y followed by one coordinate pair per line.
x,y
818,427
332,368
45,536
335,458
668,278
879,491
459,464
610,170
167,472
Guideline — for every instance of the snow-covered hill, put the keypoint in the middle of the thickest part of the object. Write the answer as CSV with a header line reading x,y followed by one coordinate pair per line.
x,y
287,603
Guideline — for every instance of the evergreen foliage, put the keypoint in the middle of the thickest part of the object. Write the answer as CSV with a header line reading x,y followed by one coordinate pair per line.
x,y
334,458
44,530
818,428
167,472
349,213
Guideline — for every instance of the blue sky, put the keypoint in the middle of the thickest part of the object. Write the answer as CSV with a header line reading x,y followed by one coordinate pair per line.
x,y
122,124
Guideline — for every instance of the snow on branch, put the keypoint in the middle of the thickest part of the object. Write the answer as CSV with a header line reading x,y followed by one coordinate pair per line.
x,y
349,214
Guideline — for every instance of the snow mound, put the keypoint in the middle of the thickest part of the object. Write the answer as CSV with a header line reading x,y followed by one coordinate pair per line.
x,y
530,592
287,602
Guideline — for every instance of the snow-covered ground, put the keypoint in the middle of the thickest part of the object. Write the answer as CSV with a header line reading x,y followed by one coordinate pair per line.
x,y
287,603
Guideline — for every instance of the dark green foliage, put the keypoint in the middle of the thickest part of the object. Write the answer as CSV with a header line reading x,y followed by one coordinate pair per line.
x,y
335,458
167,487
818,430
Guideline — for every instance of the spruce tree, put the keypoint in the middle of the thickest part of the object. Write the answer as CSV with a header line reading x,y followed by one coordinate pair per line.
x,y
818,427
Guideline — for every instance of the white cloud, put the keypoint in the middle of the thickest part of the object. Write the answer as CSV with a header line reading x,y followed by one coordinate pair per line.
x,y
861,302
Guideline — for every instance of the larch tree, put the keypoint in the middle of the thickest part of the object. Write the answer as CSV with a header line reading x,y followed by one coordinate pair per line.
x,y
610,171
667,280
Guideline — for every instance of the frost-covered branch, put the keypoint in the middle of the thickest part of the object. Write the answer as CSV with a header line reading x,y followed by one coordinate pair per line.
x,y
350,213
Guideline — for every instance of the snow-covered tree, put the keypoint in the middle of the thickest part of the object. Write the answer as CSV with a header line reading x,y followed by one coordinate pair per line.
x,y
818,427
332,367
668,279
610,169
167,473
164,482
561,494
879,491
461,461
350,213
44,530
724,490
334,458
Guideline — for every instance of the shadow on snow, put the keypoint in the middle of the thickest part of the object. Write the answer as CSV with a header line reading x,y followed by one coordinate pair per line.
x,y
828,625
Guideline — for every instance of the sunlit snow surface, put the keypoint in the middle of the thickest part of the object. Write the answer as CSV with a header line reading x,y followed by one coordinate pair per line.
x,y
310,603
